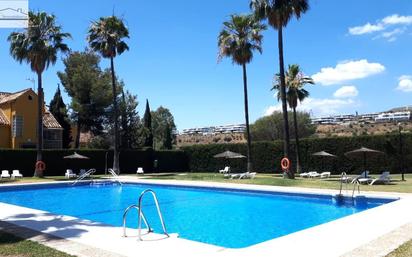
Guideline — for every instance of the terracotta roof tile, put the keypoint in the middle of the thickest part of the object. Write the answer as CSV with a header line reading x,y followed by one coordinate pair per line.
x,y
3,119
7,97
49,121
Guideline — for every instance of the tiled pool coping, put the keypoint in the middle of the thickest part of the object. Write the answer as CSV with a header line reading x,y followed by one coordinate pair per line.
x,y
335,238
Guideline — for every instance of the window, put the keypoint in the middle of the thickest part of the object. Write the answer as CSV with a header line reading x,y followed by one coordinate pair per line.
x,y
17,126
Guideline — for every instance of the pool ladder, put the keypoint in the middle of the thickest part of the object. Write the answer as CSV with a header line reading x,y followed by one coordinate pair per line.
x,y
355,183
142,217
85,175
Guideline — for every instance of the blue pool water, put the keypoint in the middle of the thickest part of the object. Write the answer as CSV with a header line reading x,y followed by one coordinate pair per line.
x,y
227,218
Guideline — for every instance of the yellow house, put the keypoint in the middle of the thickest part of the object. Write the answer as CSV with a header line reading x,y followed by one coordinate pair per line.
x,y
18,122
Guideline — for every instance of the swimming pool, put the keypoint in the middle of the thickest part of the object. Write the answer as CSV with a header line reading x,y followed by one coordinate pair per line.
x,y
223,217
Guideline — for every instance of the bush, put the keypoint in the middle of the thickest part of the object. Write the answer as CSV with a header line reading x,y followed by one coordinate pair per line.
x,y
266,156
24,161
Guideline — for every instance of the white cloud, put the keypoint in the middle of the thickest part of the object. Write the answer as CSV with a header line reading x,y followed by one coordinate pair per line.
x,y
397,19
366,29
346,92
391,35
405,83
317,106
346,71
382,26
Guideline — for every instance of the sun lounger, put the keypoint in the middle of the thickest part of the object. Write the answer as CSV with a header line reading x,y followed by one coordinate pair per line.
x,y
83,173
325,175
225,170
248,175
384,178
69,174
5,174
304,175
313,174
362,178
140,170
16,174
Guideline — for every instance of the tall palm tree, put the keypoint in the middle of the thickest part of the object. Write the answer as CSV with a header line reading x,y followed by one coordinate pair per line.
x,y
295,82
240,36
278,14
105,36
39,45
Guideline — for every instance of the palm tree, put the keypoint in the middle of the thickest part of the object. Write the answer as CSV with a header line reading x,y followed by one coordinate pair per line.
x,y
238,39
295,81
278,13
38,45
105,36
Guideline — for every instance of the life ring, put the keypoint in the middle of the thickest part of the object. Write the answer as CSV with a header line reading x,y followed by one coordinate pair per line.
x,y
40,165
285,163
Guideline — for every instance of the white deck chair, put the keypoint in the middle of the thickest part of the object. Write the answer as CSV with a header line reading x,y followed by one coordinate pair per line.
x,y
384,178
325,174
314,174
247,175
140,170
304,175
362,178
5,174
70,174
16,174
225,170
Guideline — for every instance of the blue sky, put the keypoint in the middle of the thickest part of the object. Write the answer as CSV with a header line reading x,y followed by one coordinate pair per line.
x,y
359,53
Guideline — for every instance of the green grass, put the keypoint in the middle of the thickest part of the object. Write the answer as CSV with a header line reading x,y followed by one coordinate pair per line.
x,y
404,250
276,180
11,245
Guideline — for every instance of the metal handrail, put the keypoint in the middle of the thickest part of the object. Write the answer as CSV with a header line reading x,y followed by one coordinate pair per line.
x,y
141,213
84,175
356,183
114,174
134,206
341,183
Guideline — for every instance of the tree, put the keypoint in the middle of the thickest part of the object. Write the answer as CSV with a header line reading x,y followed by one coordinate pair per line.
x,y
39,45
168,141
147,130
106,36
238,39
130,121
295,81
163,126
270,128
90,90
59,111
278,13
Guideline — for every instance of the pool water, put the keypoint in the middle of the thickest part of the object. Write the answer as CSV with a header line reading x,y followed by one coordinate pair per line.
x,y
227,218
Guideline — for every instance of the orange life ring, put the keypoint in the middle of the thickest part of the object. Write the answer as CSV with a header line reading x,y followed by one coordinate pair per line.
x,y
285,163
40,166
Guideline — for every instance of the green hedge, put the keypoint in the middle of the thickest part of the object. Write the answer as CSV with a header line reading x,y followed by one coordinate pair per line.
x,y
267,155
24,161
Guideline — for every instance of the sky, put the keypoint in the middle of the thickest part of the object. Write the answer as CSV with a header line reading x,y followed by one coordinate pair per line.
x,y
358,53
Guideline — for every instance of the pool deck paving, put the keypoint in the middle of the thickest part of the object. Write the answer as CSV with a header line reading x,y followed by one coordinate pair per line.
x,y
374,232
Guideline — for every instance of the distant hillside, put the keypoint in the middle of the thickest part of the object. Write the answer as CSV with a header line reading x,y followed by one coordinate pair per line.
x,y
361,129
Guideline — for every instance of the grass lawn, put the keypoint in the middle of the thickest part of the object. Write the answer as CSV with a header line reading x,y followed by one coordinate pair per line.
x,y
403,251
11,245
276,180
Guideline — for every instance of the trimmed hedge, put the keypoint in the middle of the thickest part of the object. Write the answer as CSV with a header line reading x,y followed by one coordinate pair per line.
x,y
24,161
267,155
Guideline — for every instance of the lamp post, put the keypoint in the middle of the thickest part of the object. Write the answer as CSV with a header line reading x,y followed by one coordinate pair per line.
x,y
401,151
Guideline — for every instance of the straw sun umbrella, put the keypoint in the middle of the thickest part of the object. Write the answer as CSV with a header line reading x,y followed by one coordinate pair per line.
x,y
229,155
76,156
323,155
363,153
